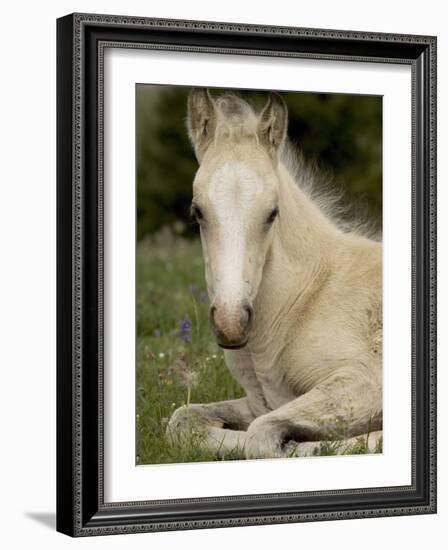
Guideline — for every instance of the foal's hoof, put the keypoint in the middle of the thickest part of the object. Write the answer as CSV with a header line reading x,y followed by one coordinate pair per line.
x,y
177,425
185,423
302,449
263,440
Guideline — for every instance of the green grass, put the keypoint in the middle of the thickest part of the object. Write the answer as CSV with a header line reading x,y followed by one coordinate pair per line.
x,y
170,289
177,359
333,448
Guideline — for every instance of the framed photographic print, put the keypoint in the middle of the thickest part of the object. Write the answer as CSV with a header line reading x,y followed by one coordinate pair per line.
x,y
246,274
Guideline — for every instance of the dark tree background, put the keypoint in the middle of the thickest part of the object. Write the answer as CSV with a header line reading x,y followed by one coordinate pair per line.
x,y
342,133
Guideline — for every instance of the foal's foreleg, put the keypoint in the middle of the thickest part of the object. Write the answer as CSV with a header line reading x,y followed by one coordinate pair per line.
x,y
221,441
219,427
347,404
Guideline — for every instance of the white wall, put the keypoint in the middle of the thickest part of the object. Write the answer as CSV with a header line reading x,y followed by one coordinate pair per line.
x,y
27,272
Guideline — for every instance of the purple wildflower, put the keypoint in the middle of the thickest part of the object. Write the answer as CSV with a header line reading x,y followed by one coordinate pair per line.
x,y
157,333
185,324
185,329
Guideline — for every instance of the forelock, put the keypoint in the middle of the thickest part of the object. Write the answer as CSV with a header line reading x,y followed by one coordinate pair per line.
x,y
235,118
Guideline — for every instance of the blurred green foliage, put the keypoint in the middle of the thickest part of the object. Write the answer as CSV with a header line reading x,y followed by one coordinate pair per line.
x,y
342,133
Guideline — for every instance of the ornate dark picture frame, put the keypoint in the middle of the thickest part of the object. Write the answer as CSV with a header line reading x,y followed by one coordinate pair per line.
x,y
81,509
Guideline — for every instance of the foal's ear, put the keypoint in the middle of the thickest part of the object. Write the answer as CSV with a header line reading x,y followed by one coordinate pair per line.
x,y
201,120
273,123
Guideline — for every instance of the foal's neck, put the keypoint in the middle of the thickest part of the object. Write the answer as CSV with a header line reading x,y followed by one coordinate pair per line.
x,y
302,244
305,232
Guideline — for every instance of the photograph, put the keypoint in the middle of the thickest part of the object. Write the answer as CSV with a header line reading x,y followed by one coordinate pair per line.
x,y
246,223
219,275
258,274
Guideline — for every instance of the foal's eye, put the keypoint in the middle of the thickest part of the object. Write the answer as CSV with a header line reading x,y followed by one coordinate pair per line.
x,y
196,212
272,215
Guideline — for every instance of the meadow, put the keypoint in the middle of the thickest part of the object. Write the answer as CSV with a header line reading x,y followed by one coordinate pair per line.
x,y
177,360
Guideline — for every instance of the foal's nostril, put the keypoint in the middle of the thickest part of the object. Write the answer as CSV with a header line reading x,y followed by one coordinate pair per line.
x,y
248,314
211,313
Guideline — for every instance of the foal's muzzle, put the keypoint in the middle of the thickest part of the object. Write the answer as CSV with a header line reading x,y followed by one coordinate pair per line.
x,y
231,324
